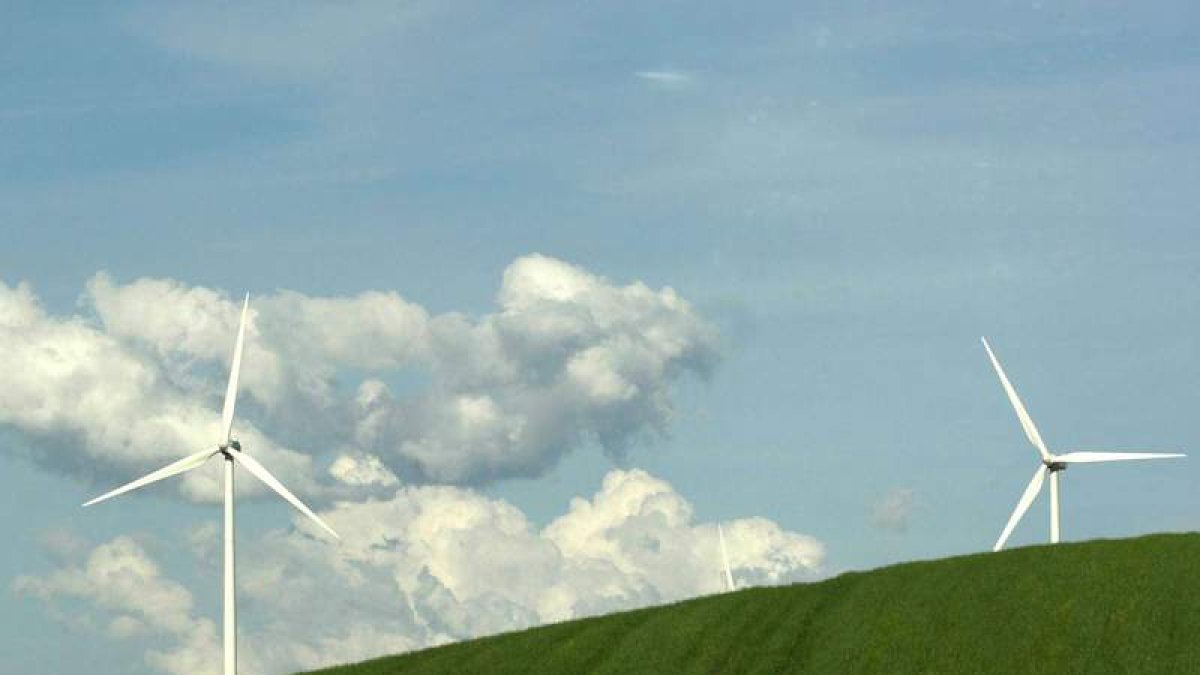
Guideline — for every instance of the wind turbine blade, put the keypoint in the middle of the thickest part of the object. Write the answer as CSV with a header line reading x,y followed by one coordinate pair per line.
x,y
186,464
260,472
234,371
1023,415
1031,492
1092,457
725,559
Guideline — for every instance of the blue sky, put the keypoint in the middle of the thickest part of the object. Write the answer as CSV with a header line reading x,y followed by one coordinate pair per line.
x,y
847,194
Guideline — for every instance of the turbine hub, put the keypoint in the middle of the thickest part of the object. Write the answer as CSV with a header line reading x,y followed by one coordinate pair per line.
x,y
224,448
1054,466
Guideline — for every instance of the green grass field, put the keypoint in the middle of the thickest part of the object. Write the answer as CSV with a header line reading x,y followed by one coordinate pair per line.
x,y
1123,606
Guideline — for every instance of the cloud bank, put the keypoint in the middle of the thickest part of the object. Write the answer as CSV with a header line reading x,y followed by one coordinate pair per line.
x,y
389,415
423,566
567,360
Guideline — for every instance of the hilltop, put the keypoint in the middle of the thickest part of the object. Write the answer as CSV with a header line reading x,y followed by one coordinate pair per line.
x,y
1116,606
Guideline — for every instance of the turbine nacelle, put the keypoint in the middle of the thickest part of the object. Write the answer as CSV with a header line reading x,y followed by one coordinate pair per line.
x,y
1054,465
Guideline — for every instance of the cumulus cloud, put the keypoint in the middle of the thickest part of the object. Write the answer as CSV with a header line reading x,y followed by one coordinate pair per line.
x,y
94,405
428,565
568,359
893,511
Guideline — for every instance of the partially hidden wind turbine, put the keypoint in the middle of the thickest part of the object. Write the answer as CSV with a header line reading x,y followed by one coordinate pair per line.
x,y
1051,464
232,452
727,573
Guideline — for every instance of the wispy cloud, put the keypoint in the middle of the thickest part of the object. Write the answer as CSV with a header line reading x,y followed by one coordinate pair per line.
x,y
667,78
894,510
128,596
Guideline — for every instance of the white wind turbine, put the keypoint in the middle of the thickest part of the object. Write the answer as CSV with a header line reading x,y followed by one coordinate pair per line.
x,y
1051,464
231,451
727,572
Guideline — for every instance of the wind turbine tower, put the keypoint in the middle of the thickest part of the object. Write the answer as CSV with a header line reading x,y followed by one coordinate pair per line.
x,y
728,572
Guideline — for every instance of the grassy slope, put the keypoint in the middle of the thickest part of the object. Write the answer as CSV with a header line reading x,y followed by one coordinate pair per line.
x,y
1124,606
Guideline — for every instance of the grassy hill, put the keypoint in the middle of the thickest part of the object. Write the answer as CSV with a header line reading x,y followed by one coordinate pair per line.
x,y
1123,606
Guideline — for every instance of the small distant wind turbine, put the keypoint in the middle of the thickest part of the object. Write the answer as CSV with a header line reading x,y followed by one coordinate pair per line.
x,y
728,573
1051,464
229,448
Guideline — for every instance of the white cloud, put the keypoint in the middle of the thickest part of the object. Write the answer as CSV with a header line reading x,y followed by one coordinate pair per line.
x,y
428,565
894,510
569,359
94,405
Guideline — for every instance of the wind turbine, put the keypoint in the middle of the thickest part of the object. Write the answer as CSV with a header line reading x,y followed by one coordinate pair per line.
x,y
1051,464
728,573
229,448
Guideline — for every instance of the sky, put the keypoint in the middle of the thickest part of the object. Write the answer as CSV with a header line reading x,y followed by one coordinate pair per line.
x,y
542,292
